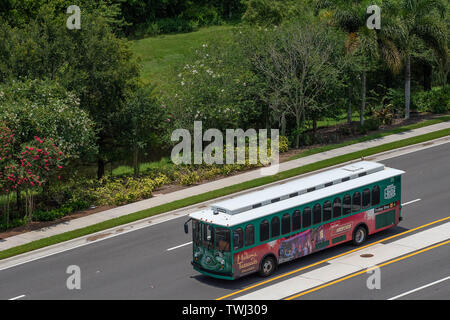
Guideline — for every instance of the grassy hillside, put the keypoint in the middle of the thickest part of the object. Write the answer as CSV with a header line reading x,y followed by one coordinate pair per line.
x,y
160,54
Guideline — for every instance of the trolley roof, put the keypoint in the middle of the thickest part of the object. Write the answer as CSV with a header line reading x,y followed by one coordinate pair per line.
x,y
301,185
294,193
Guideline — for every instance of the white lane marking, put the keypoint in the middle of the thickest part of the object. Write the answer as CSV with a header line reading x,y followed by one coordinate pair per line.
x,y
181,245
77,240
420,288
18,297
409,202
350,263
113,236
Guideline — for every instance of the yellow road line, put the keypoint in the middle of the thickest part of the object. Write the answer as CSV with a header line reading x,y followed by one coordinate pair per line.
x,y
366,270
328,259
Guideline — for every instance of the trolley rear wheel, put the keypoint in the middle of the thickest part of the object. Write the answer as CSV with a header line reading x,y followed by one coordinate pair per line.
x,y
359,235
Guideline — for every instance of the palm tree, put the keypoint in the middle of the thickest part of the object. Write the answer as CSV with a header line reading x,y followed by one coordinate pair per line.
x,y
363,43
366,44
411,21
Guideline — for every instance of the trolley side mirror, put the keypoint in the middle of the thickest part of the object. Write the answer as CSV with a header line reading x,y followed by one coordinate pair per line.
x,y
186,227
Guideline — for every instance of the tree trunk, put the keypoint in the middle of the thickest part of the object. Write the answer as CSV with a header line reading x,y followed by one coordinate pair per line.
x,y
100,168
283,124
407,86
363,97
136,162
297,122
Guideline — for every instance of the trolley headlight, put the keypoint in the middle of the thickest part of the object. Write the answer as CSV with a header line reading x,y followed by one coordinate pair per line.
x,y
197,256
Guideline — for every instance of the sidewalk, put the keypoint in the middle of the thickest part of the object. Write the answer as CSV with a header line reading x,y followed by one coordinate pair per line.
x,y
206,187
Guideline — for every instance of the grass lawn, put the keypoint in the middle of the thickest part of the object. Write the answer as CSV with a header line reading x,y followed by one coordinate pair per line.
x,y
341,119
160,54
143,167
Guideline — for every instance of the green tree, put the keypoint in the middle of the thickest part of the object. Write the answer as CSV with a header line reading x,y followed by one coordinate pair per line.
x,y
411,22
144,124
273,12
298,62
216,86
368,46
92,62
102,71
44,108
19,13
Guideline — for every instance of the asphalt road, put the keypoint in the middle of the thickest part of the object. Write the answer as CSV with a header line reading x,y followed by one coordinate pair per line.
x,y
397,279
137,265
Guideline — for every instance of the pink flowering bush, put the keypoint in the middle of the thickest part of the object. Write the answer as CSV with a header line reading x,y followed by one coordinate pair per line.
x,y
27,167
39,161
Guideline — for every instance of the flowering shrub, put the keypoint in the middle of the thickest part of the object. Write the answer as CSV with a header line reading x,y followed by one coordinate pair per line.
x,y
35,163
283,145
28,167
217,89
210,173
189,178
123,191
39,161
